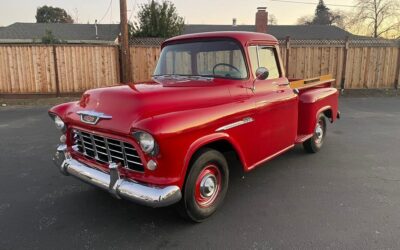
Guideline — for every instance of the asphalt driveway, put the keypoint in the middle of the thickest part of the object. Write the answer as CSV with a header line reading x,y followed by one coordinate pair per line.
x,y
345,197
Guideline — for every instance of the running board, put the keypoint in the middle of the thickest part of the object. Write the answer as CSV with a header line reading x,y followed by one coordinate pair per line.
x,y
302,138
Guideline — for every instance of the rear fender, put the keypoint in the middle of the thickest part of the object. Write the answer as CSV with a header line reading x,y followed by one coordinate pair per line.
x,y
313,103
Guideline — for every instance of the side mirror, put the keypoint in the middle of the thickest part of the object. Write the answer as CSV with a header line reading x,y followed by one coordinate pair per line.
x,y
262,73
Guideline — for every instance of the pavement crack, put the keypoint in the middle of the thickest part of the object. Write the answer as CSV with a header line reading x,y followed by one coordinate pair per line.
x,y
383,179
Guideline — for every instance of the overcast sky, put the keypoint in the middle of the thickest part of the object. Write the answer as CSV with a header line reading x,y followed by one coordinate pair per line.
x,y
194,12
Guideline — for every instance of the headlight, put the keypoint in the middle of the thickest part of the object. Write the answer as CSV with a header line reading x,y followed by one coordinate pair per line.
x,y
60,125
146,142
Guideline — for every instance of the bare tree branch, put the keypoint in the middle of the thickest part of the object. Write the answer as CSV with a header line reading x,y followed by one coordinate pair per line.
x,y
377,17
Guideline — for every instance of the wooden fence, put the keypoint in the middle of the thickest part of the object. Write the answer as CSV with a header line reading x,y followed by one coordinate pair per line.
x,y
58,69
355,64
143,62
64,69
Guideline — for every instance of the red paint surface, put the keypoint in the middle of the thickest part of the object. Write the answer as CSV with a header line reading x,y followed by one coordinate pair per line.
x,y
183,118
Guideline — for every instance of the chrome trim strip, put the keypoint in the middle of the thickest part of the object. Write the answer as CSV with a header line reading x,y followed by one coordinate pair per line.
x,y
96,155
97,115
107,149
82,141
123,153
235,124
153,196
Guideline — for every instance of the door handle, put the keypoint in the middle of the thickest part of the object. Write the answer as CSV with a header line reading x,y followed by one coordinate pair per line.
x,y
280,84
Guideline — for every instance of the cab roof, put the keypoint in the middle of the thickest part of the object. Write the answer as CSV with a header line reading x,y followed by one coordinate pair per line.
x,y
241,36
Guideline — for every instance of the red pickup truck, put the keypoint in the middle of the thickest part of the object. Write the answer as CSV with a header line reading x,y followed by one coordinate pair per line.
x,y
164,142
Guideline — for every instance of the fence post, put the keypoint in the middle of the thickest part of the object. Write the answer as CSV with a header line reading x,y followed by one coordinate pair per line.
x,y
56,71
287,55
396,82
346,49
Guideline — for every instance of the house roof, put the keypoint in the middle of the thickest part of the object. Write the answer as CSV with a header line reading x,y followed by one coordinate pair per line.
x,y
298,32
241,36
71,33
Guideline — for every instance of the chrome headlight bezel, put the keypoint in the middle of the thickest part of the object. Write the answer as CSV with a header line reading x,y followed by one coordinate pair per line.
x,y
146,142
60,124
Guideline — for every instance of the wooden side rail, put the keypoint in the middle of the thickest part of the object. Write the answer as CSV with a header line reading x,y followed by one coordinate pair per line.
x,y
311,82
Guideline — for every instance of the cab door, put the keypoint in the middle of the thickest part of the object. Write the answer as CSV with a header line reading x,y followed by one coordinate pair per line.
x,y
275,104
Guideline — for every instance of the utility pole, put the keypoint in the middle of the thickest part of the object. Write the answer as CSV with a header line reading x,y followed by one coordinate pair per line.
x,y
124,44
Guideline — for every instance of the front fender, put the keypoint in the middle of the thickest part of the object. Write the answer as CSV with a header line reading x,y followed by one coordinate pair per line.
x,y
208,139
62,109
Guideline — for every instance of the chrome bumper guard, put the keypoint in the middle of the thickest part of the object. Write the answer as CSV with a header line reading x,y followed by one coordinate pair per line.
x,y
112,182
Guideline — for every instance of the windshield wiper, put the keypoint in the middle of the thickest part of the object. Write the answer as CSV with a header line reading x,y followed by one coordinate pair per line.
x,y
186,77
165,76
171,76
207,78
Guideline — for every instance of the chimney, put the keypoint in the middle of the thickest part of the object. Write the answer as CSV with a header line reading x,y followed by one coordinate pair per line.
x,y
261,20
234,21
95,27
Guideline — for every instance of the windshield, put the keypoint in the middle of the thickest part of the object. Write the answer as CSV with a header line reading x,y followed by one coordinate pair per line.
x,y
220,58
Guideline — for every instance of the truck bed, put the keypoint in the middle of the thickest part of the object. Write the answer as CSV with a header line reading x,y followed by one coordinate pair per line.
x,y
316,95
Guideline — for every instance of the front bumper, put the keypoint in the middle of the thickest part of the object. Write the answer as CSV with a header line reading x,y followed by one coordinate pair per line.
x,y
120,188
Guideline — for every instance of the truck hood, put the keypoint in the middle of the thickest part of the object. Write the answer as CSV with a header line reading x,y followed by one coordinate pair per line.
x,y
130,104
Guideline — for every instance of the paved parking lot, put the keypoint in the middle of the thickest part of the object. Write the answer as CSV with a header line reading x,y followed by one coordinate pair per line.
x,y
345,197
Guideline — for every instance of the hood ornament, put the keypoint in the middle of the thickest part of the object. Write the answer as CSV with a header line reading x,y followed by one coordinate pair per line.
x,y
92,117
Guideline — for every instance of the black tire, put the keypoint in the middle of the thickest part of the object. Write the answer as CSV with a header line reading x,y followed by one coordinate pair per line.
x,y
205,160
314,144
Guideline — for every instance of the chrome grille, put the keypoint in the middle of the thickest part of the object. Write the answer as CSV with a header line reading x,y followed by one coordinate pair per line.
x,y
106,150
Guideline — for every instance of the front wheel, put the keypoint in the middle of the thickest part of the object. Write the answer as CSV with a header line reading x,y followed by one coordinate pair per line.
x,y
206,185
314,144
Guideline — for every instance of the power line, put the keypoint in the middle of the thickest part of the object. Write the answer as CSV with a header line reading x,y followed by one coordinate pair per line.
x,y
311,3
105,14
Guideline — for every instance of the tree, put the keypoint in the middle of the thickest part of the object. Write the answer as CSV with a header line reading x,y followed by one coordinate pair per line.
x,y
341,19
378,18
49,38
49,14
305,20
272,20
323,16
158,20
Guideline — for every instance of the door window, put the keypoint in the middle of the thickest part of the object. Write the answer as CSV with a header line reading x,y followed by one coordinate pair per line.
x,y
264,56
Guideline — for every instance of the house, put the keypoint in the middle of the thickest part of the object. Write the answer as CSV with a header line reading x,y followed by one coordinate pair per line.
x,y
66,32
281,32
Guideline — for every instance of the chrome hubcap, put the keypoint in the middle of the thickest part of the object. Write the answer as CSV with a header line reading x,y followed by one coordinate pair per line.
x,y
319,133
208,185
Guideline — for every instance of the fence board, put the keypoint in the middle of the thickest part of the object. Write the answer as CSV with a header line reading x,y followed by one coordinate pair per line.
x,y
143,62
26,69
85,67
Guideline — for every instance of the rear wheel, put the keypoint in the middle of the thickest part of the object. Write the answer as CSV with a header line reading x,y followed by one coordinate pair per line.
x,y
206,185
314,144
